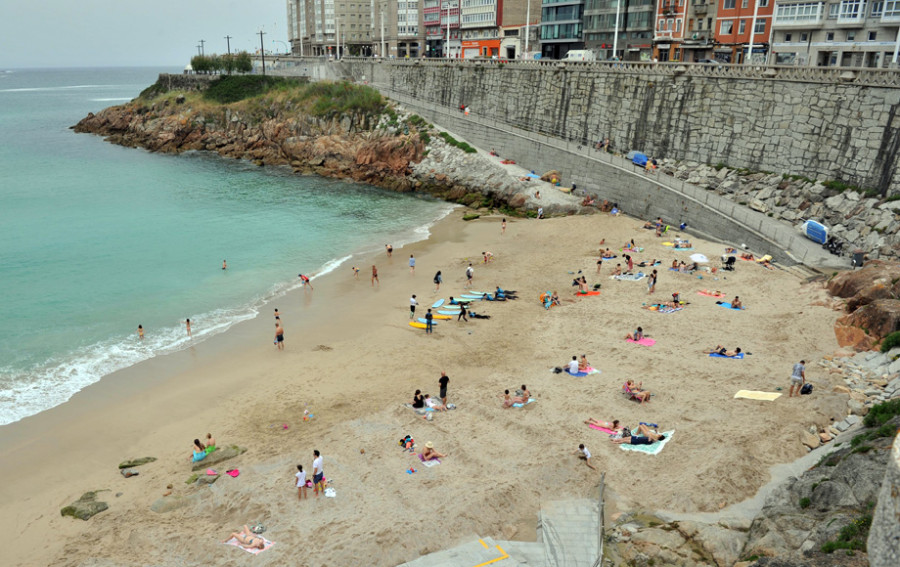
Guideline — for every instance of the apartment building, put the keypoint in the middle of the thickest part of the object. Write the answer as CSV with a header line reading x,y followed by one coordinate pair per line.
x,y
735,21
684,30
481,22
842,33
562,27
634,40
438,16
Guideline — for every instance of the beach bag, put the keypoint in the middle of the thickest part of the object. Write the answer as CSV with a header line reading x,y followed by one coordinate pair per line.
x,y
557,370
806,389
626,432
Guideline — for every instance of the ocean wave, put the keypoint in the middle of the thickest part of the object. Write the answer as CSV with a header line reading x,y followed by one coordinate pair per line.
x,y
59,88
111,99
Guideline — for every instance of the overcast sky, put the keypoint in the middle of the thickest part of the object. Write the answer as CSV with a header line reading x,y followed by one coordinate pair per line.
x,y
97,33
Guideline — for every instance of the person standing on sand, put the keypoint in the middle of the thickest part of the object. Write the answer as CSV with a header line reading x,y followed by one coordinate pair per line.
x,y
798,378
437,281
429,322
224,265
443,381
318,473
651,282
374,275
503,227
277,315
412,264
187,324
279,335
462,312
412,306
301,483
470,273
585,455
141,332
390,249
305,281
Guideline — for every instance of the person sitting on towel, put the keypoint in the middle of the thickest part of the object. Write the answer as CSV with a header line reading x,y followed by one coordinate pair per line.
x,y
618,270
573,365
524,394
736,303
647,437
430,454
583,364
434,404
554,299
418,400
199,451
508,400
635,336
637,391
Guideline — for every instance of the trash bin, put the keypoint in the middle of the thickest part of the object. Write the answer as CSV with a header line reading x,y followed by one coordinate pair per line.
x,y
857,261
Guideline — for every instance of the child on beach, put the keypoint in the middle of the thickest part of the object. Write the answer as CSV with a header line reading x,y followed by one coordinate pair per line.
x,y
141,332
585,455
301,483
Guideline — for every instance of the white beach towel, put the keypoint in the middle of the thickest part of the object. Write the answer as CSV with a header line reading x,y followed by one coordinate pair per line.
x,y
255,550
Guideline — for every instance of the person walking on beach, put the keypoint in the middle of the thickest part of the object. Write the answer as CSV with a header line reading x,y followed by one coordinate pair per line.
x,y
301,483
187,324
470,273
429,318
305,280
462,312
318,473
437,281
443,381
224,265
798,378
390,249
585,455
412,264
277,315
503,227
412,306
141,332
651,282
374,275
279,335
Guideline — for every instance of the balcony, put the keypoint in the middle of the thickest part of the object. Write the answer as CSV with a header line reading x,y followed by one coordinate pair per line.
x,y
701,9
890,17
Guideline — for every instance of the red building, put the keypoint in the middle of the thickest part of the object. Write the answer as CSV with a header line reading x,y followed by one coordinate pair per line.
x,y
734,20
668,35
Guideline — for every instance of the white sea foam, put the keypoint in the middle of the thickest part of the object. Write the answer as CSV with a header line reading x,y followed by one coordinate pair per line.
x,y
59,88
111,99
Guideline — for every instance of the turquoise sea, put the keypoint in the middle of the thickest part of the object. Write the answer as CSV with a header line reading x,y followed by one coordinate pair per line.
x,y
96,239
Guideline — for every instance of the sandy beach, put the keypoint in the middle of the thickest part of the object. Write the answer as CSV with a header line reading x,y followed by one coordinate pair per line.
x,y
352,361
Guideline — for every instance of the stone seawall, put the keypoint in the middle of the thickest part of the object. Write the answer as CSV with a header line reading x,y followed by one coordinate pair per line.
x,y
821,126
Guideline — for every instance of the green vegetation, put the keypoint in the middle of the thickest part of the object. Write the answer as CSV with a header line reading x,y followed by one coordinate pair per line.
x,y
153,91
192,479
426,139
416,120
851,537
346,99
719,166
881,414
228,89
471,217
805,502
890,341
227,63
456,143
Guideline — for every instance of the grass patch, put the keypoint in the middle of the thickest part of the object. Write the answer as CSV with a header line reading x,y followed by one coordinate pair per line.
x,y
895,197
851,537
426,139
805,502
192,479
881,414
719,166
890,341
153,91
232,88
456,143
415,120
471,217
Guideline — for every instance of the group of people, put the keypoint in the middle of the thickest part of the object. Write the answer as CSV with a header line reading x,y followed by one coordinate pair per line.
x,y
521,397
200,450
425,402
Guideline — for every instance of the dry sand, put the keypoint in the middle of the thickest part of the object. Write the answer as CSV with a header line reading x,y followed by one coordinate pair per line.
x,y
352,360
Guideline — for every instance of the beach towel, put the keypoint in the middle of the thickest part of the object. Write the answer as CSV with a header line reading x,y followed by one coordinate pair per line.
x,y
756,395
254,551
652,449
587,292
431,463
707,294
609,257
728,306
603,429
717,355
530,400
687,272
629,277
645,341
233,473
590,370
668,309
631,249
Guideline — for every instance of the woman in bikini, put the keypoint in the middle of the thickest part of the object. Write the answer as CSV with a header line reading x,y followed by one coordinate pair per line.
x,y
429,453
637,392
613,425
583,364
247,539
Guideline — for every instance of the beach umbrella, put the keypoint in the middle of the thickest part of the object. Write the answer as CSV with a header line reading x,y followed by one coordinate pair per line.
x,y
699,258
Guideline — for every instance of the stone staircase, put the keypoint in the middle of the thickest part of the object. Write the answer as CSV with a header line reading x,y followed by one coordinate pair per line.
x,y
568,535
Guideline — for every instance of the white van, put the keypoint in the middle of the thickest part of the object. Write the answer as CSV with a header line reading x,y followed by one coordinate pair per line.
x,y
580,55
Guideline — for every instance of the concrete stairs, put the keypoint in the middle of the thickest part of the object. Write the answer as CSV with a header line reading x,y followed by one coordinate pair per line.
x,y
568,536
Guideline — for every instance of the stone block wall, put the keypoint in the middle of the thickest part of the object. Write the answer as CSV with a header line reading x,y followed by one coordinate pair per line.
x,y
823,130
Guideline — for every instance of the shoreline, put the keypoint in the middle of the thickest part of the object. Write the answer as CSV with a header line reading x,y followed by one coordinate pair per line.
x,y
352,361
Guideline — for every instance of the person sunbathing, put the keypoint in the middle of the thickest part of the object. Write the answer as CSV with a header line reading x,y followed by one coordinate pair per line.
x,y
583,364
554,299
606,254
746,256
675,264
434,404
653,262
724,351
430,454
637,392
736,303
646,437
682,244
636,335
630,246
247,539
618,270
730,250
198,451
508,400
613,425
650,225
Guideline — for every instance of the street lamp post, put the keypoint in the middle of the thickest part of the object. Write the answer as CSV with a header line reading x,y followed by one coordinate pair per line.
x,y
527,27
448,29
752,31
262,51
202,42
616,32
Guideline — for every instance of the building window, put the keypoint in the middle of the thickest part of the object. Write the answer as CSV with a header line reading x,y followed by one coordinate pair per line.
x,y
763,3
678,25
851,36
725,28
742,27
729,5
661,26
804,36
829,36
833,10
787,38
877,9
852,9
744,3
760,27
891,9
872,35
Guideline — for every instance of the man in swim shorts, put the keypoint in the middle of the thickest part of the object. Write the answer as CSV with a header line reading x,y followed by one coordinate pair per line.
x,y
279,335
798,378
443,381
470,273
390,249
412,306
318,473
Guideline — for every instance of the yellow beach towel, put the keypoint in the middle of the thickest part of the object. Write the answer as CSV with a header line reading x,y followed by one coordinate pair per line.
x,y
754,395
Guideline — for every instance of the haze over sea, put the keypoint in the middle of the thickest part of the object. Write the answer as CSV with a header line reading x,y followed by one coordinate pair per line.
x,y
96,238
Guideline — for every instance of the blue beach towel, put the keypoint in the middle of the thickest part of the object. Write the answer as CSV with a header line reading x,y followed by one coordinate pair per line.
x,y
728,306
717,355
530,400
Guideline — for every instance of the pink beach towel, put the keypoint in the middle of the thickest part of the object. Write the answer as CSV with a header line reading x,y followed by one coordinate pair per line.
x,y
422,458
233,473
255,550
707,294
211,472
603,429
645,341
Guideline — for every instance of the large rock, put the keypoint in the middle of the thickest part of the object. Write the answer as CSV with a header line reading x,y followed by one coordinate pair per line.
x,y
875,274
218,456
884,535
877,319
85,507
852,337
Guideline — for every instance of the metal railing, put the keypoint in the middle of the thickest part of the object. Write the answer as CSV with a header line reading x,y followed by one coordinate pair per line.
x,y
602,511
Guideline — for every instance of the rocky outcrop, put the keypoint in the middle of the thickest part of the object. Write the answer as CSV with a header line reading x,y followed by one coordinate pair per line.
x,y
85,507
872,299
884,536
859,220
218,456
